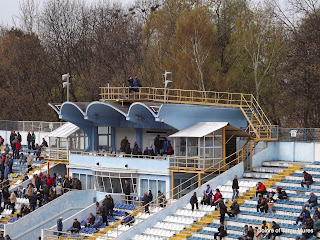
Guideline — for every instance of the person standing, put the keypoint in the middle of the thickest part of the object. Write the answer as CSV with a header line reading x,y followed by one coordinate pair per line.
x,y
123,144
235,188
33,140
194,201
12,138
59,226
146,202
13,200
157,144
135,149
165,145
29,140
223,210
19,138
127,191
29,161
17,150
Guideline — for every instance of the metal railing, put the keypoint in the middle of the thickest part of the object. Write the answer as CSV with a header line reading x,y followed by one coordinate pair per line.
x,y
29,126
260,126
302,135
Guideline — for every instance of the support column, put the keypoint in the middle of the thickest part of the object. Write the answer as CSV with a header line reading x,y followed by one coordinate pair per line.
x,y
199,180
113,139
93,139
68,173
172,185
48,167
139,138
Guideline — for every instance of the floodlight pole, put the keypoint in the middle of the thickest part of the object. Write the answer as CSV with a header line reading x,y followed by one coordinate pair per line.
x,y
165,86
68,87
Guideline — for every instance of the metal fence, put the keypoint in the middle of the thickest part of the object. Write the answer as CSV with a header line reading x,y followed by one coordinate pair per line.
x,y
36,126
299,134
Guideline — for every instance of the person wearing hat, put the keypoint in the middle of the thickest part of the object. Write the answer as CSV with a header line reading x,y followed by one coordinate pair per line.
x,y
59,190
76,226
307,179
59,226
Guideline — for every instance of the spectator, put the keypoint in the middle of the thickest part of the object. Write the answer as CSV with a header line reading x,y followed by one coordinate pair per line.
x,y
24,210
312,202
165,144
275,230
259,203
21,192
109,204
235,187
7,237
146,202
49,180
52,194
10,164
127,149
216,197
157,144
307,179
98,221
146,151
12,138
33,200
162,199
194,201
91,220
306,233
37,181
59,226
169,151
130,84
26,177
309,222
127,219
281,193
33,140
7,149
261,189
316,213
127,191
207,195
257,233
223,209
123,144
97,208
29,140
250,233
316,225
13,200
222,232
23,159
135,150
59,190
17,150
46,190
150,196
150,151
234,209
5,196
303,216
264,229
6,171
29,161
135,83
245,233
76,226
1,140
44,143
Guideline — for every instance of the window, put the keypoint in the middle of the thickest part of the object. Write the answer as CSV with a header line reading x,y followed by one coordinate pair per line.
x,y
104,138
153,185
85,179
114,182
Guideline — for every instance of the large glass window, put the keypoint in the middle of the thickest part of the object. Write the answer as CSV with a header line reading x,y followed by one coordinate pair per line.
x,y
153,185
104,138
86,180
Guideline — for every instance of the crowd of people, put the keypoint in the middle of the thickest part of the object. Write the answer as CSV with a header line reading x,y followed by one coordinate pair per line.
x,y
162,146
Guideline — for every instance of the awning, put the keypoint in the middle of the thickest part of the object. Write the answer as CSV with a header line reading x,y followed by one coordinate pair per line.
x,y
202,129
64,131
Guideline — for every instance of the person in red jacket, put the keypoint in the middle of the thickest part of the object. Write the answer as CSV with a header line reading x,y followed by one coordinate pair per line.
x,y
261,189
17,150
49,180
216,197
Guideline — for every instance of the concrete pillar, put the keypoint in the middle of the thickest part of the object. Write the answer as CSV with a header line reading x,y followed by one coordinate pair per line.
x,y
139,138
93,139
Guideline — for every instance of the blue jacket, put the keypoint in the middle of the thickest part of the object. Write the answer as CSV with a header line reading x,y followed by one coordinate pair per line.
x,y
136,82
313,199
209,193
59,225
165,145
6,172
98,221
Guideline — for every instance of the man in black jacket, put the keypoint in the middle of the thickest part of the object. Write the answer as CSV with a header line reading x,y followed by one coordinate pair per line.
x,y
222,232
76,226
33,200
235,208
223,209
109,205
194,201
235,187
127,191
145,202
157,144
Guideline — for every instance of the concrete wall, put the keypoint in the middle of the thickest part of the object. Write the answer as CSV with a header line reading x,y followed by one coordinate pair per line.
x,y
74,200
288,151
141,164
169,210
